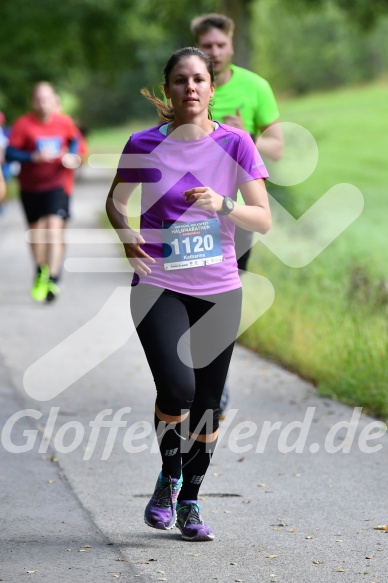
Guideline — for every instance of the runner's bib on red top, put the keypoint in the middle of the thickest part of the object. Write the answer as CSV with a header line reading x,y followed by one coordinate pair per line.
x,y
50,144
193,244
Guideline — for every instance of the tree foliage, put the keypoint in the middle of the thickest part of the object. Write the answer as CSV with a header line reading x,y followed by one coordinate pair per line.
x,y
91,47
365,13
104,51
316,49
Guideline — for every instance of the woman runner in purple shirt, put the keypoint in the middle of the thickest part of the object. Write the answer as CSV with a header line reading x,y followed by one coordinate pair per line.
x,y
186,294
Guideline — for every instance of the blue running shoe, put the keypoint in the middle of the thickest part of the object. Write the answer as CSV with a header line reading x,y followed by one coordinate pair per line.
x,y
160,511
190,523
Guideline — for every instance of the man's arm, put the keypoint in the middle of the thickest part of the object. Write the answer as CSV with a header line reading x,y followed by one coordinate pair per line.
x,y
24,156
270,142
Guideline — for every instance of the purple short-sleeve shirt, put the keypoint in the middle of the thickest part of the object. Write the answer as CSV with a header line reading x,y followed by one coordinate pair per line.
x,y
166,167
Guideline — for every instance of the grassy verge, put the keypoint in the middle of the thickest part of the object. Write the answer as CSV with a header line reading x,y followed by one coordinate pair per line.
x,y
113,140
329,320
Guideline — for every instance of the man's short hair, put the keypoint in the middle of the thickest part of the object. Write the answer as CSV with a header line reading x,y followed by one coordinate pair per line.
x,y
204,23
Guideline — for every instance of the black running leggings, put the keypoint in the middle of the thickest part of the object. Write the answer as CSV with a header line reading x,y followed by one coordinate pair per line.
x,y
188,342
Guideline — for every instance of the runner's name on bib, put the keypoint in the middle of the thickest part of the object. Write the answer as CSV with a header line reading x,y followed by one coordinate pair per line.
x,y
195,244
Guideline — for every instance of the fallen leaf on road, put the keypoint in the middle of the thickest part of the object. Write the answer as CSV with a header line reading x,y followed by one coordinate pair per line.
x,y
117,575
31,571
309,537
271,556
49,458
51,481
87,547
381,527
340,570
317,562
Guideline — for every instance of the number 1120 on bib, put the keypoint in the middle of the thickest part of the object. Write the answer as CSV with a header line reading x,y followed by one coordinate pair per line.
x,y
195,244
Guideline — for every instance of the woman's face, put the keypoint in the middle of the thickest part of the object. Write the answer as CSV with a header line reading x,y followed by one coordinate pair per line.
x,y
189,87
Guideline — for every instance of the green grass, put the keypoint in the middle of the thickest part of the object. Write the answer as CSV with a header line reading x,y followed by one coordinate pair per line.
x,y
12,189
329,320
113,140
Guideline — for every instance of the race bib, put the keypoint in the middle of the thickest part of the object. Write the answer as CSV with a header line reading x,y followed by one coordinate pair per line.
x,y
195,244
51,144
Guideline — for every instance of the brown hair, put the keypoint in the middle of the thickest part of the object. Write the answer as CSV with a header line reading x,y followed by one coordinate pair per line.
x,y
166,111
202,24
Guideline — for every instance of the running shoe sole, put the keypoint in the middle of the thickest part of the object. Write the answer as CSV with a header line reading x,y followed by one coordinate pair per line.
x,y
159,525
198,537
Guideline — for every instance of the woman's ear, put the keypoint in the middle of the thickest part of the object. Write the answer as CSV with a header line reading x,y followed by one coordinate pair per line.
x,y
166,91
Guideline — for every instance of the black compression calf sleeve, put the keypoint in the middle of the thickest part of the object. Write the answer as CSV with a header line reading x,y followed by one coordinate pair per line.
x,y
195,463
170,440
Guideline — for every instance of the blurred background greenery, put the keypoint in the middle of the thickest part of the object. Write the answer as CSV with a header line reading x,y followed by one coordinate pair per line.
x,y
99,53
327,63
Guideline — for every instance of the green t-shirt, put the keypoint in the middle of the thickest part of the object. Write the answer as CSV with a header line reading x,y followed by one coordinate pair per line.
x,y
251,94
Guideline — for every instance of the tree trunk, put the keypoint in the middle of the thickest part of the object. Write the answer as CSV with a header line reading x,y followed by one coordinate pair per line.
x,y
239,11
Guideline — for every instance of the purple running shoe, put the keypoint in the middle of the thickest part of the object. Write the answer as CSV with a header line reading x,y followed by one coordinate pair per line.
x,y
190,523
160,511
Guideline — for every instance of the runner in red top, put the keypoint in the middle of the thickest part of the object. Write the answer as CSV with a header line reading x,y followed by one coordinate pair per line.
x,y
43,141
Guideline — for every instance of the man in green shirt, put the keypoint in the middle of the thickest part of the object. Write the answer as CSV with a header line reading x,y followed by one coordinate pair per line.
x,y
243,100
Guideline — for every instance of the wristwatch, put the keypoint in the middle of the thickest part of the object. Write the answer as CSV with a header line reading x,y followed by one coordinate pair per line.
x,y
227,206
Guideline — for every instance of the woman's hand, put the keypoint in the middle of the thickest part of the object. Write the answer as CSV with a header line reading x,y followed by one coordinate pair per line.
x,y
205,198
136,256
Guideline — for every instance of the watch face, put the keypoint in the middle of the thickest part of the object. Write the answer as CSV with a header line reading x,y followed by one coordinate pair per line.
x,y
227,206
